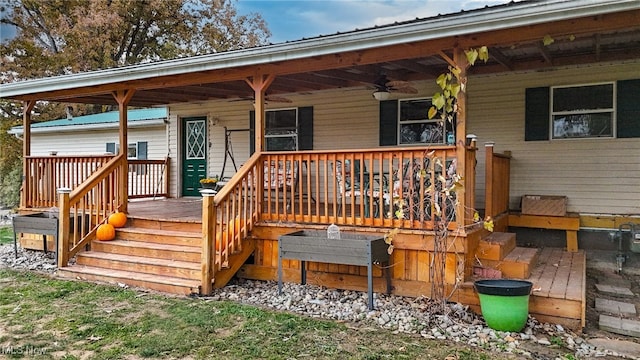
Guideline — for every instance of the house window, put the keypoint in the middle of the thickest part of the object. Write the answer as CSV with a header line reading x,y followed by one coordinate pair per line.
x,y
281,130
137,150
415,127
584,111
132,151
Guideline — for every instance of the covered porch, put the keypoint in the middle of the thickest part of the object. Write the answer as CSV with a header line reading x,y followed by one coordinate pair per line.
x,y
349,164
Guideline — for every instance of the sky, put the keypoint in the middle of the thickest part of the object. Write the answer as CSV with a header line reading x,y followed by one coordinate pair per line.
x,y
296,19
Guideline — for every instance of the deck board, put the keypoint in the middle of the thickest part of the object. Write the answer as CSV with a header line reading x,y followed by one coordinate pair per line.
x,y
561,278
542,286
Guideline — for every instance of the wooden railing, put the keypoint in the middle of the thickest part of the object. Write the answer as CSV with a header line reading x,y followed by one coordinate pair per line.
x,y
228,218
88,206
399,187
45,174
148,178
497,173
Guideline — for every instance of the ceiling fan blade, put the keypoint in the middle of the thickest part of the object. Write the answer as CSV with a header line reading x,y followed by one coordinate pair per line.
x,y
397,84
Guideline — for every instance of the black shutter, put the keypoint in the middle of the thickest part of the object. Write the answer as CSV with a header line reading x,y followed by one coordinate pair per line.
x,y
252,133
536,114
388,122
305,128
111,148
628,109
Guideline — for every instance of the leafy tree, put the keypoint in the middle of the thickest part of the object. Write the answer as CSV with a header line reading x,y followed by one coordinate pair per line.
x,y
56,37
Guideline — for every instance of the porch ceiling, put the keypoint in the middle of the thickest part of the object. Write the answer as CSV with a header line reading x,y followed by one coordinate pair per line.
x,y
575,41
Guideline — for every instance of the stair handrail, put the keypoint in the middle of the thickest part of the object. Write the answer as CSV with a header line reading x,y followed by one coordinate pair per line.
x,y
228,217
88,206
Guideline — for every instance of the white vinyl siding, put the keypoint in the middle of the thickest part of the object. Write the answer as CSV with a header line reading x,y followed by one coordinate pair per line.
x,y
599,176
94,142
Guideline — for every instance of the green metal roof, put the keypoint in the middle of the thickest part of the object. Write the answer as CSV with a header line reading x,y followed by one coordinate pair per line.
x,y
111,117
107,117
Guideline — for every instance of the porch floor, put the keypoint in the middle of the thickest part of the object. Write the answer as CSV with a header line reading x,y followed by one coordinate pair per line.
x,y
186,209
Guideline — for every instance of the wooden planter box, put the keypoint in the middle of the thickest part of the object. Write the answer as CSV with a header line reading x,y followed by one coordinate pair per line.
x,y
350,249
42,223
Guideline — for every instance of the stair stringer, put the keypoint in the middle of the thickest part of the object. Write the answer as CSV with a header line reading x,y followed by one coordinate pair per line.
x,y
236,260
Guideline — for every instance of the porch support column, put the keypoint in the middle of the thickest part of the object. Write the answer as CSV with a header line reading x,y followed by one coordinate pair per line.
x,y
123,97
26,151
460,61
209,231
259,83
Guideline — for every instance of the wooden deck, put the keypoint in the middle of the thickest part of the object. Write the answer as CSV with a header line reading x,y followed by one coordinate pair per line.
x,y
187,209
559,288
558,277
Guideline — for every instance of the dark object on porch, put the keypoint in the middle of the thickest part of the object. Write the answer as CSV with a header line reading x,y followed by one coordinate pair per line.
x,y
38,223
350,249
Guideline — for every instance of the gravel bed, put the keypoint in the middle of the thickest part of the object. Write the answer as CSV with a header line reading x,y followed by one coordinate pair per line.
x,y
396,313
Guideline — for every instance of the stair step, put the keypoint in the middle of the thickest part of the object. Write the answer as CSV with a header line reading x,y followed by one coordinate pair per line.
x,y
190,226
148,281
149,249
172,237
496,246
517,264
172,268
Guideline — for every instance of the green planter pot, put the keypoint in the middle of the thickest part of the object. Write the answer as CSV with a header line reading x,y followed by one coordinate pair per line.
x,y
504,303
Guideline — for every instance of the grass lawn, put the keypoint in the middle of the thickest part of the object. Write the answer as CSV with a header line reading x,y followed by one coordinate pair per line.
x,y
6,235
45,318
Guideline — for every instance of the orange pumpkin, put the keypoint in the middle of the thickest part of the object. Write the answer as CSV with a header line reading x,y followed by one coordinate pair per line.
x,y
106,232
118,219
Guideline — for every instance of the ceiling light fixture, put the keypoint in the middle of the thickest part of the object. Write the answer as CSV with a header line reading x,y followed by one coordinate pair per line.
x,y
381,95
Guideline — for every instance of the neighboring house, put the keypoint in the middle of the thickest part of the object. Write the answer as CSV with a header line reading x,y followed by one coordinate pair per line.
x,y
98,134
559,92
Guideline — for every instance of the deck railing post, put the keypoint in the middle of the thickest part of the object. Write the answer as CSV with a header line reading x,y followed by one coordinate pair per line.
x,y
488,176
209,222
64,223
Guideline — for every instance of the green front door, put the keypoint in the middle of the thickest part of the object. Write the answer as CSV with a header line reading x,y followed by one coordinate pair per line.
x,y
194,154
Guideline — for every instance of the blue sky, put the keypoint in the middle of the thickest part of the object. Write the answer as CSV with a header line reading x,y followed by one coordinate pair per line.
x,y
297,19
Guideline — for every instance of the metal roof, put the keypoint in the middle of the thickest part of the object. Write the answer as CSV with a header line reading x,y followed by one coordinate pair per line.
x,y
135,117
453,26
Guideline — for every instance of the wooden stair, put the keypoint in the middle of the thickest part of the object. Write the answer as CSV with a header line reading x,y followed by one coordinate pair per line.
x,y
158,255
498,251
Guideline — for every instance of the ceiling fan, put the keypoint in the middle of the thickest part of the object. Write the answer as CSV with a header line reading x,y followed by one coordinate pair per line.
x,y
267,98
384,86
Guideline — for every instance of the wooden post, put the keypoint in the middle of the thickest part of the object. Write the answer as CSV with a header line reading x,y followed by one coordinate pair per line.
x,y
209,223
64,224
488,177
123,97
460,61
26,151
259,83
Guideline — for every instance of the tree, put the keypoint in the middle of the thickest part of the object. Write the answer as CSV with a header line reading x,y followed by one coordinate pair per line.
x,y
56,37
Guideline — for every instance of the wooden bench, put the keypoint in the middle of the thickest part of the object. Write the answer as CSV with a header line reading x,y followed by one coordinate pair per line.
x,y
350,249
570,223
